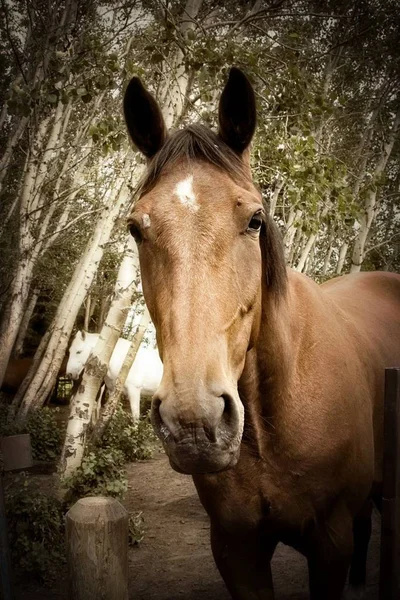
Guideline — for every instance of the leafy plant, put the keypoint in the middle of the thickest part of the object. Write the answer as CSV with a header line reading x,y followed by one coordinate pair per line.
x,y
6,428
136,440
101,473
45,432
36,532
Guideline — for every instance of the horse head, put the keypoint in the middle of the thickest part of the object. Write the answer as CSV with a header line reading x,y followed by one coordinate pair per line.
x,y
78,353
202,232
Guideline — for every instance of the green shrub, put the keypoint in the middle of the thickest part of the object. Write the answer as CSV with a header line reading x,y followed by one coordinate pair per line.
x,y
136,440
45,432
101,473
36,532
6,428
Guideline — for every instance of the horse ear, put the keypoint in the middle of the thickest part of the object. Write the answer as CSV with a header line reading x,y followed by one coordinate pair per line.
x,y
237,111
143,118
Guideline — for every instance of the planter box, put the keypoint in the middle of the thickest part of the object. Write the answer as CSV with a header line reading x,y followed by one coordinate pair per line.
x,y
16,452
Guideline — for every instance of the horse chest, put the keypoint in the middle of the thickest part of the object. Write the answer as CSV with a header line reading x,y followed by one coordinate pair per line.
x,y
244,499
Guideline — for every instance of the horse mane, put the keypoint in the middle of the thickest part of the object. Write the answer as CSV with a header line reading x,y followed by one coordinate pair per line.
x,y
197,142
273,257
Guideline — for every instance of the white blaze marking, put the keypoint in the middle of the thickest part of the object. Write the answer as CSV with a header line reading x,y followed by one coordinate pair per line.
x,y
184,191
146,221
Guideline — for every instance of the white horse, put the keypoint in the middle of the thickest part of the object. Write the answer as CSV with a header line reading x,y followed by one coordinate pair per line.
x,y
144,376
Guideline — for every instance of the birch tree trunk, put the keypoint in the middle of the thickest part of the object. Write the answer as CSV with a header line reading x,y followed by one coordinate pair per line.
x,y
368,215
342,257
20,286
328,255
295,246
176,85
291,228
83,403
11,144
19,344
277,190
305,252
42,380
87,313
33,238
311,242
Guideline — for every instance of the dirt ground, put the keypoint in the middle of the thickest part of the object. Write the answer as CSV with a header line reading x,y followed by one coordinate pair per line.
x,y
174,559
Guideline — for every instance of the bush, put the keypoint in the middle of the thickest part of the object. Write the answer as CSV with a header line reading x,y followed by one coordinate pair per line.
x,y
36,532
6,428
101,473
136,440
45,432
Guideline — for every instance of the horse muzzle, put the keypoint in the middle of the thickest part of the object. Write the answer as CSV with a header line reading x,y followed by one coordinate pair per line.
x,y
199,434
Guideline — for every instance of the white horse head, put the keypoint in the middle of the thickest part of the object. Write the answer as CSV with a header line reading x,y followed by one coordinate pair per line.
x,y
79,351
144,376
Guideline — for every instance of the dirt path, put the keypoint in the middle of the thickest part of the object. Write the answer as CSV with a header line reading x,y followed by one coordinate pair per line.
x,y
174,560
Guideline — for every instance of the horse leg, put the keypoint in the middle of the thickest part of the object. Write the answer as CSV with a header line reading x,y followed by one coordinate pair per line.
x,y
362,533
329,555
244,564
133,394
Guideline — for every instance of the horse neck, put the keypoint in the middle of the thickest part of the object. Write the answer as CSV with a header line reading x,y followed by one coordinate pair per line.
x,y
268,383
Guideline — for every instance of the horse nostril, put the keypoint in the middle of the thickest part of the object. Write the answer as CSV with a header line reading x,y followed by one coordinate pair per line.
x,y
159,424
229,414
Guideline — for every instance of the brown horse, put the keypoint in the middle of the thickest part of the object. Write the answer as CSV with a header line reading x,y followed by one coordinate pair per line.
x,y
272,394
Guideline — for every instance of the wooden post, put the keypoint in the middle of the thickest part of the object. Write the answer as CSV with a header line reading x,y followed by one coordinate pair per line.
x,y
97,549
389,585
5,562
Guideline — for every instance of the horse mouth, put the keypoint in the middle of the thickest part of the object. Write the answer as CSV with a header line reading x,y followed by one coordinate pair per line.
x,y
202,436
189,460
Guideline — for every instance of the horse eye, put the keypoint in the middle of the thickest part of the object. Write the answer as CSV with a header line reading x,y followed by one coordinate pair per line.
x,y
255,223
135,232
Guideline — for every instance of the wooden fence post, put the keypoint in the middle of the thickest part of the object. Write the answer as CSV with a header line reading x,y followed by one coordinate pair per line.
x,y
97,549
5,563
389,584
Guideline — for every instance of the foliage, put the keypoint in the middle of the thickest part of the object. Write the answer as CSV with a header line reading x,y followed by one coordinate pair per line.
x,y
136,440
6,428
45,432
101,473
36,532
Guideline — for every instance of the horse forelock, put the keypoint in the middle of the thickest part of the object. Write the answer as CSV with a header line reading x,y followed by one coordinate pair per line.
x,y
194,143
